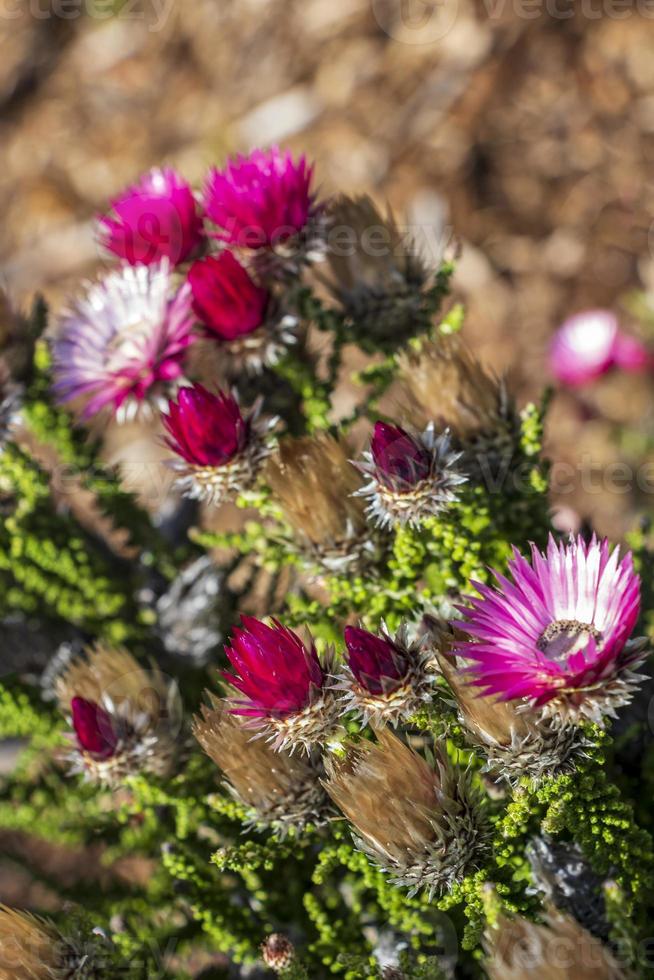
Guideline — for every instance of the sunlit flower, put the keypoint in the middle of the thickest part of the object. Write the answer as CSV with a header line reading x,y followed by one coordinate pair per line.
x,y
559,634
283,685
516,741
411,477
260,200
422,824
156,218
124,719
279,790
589,344
123,343
385,678
242,316
277,952
219,449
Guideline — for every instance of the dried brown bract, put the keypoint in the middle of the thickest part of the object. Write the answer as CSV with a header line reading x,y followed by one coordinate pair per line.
x,y
314,481
422,823
280,791
557,949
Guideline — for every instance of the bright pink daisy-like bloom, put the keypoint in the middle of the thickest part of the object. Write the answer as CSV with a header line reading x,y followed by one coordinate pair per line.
x,y
283,684
260,200
156,218
558,634
123,343
220,450
226,299
589,344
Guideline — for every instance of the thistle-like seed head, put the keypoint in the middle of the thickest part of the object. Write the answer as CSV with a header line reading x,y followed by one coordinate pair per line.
x,y
442,381
125,719
377,276
279,790
557,949
314,483
423,824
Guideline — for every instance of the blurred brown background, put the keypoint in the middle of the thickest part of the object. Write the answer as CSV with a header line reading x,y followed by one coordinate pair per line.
x,y
526,126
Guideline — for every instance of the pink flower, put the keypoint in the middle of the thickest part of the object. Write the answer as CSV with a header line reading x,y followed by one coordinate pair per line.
x,y
400,460
225,298
589,344
93,728
273,670
559,631
155,218
260,200
124,341
377,663
205,429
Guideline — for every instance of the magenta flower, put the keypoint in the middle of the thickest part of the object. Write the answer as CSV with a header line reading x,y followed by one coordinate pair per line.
x,y
283,684
411,478
260,200
400,460
384,678
124,341
559,632
219,450
205,429
274,670
93,728
156,218
225,298
590,344
377,663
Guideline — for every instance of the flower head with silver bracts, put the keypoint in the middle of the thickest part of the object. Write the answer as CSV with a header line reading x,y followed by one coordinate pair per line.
x,y
243,317
122,344
411,477
125,719
280,791
219,449
558,635
422,823
384,679
283,686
